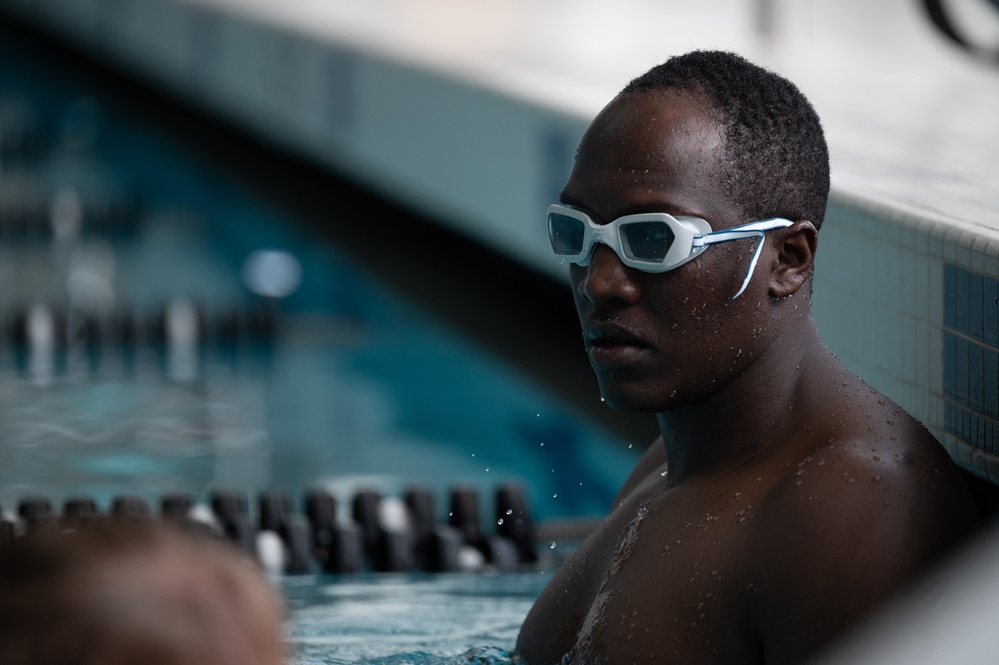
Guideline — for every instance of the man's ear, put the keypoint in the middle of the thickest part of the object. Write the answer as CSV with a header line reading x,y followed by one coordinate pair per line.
x,y
795,259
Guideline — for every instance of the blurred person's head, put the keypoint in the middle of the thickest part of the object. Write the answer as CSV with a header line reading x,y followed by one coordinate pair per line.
x,y
130,593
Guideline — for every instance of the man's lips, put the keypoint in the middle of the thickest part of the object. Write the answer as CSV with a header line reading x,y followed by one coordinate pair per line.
x,y
610,346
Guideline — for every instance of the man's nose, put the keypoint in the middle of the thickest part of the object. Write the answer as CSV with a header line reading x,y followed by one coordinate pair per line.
x,y
607,279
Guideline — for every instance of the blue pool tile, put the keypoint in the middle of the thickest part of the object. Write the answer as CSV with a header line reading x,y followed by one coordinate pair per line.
x,y
976,377
950,296
990,318
976,309
950,362
961,370
991,383
962,302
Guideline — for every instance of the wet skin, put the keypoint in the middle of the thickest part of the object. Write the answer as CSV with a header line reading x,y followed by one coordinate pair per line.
x,y
796,499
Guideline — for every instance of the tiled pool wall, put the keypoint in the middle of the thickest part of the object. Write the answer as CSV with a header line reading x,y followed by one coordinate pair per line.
x,y
911,303
905,297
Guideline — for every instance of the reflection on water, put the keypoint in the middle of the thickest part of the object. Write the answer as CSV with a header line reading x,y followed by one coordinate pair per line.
x,y
146,437
408,619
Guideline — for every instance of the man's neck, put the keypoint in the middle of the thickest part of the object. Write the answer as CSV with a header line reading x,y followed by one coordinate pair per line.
x,y
749,417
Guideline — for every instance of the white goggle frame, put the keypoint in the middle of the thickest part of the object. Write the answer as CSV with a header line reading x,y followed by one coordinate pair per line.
x,y
691,236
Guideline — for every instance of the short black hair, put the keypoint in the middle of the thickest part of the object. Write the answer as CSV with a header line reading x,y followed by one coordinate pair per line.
x,y
777,160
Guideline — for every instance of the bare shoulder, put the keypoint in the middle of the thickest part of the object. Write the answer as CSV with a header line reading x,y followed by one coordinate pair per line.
x,y
853,522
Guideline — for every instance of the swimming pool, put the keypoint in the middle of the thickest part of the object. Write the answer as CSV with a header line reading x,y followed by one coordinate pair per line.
x,y
297,370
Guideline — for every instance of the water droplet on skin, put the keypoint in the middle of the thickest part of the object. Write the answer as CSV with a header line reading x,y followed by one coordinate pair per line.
x,y
885,503
876,479
890,421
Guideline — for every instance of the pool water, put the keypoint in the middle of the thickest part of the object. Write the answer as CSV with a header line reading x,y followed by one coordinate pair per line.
x,y
417,620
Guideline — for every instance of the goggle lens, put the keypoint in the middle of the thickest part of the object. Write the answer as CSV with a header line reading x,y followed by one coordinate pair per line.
x,y
566,234
646,241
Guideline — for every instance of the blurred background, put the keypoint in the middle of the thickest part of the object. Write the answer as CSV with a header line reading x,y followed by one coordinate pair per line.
x,y
249,245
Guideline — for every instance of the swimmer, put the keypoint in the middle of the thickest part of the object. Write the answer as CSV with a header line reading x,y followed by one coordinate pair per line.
x,y
134,592
785,498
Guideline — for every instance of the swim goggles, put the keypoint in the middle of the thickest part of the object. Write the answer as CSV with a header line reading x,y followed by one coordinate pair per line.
x,y
650,242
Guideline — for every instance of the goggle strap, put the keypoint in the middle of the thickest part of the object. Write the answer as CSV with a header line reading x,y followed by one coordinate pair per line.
x,y
739,233
752,265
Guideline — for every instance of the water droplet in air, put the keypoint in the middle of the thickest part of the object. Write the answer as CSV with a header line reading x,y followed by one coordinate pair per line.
x,y
552,546
554,496
509,511
499,522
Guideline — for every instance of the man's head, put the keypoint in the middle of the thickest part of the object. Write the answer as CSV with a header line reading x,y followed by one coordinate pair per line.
x,y
707,136
134,593
776,163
